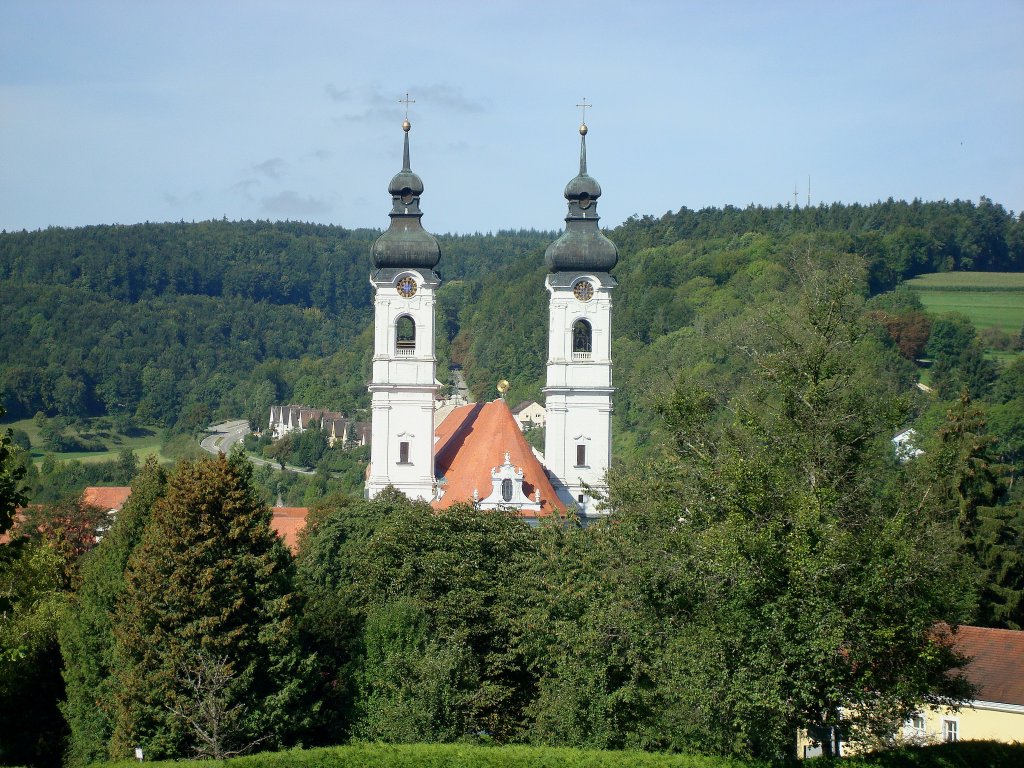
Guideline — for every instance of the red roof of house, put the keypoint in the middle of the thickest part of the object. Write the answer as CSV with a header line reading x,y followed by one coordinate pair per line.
x,y
287,522
17,521
112,497
473,440
997,662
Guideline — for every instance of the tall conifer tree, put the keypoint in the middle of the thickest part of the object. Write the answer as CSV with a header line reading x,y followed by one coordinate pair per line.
x,y
207,624
86,634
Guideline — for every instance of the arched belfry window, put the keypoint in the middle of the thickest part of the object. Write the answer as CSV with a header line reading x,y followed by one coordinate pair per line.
x,y
405,336
582,340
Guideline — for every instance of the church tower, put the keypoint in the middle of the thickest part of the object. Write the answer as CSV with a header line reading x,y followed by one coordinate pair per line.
x,y
577,445
403,384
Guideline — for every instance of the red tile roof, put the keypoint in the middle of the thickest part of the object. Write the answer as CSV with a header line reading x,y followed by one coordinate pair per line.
x,y
16,523
471,441
287,522
106,497
997,665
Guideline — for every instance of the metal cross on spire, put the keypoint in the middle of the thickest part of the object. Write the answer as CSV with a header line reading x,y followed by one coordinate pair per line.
x,y
584,106
407,101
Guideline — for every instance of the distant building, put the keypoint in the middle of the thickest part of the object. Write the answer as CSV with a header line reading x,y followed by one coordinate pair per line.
x,y
286,419
287,523
481,456
477,453
905,447
108,498
529,414
996,671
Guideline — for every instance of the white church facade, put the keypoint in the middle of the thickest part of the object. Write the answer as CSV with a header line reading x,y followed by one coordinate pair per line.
x,y
478,453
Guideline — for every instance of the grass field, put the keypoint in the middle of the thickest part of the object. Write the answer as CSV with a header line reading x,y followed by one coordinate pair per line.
x,y
146,443
989,299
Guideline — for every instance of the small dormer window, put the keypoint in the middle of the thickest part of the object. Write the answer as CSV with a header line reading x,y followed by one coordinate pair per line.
x,y
506,489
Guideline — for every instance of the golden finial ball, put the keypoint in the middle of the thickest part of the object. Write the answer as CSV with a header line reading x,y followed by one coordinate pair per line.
x,y
583,129
406,125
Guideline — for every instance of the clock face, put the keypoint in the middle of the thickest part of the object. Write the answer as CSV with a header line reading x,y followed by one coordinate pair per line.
x,y
583,291
406,287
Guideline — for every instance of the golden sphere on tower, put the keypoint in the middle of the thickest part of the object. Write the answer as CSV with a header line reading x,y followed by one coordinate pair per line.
x,y
583,129
502,387
406,125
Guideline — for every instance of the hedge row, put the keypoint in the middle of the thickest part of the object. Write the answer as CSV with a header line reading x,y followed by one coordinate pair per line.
x,y
961,754
964,754
966,288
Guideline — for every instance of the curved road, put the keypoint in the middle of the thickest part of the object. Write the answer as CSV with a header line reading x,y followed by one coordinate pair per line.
x,y
224,436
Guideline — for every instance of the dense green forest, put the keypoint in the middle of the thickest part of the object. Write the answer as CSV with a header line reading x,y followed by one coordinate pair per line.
x,y
772,563
174,324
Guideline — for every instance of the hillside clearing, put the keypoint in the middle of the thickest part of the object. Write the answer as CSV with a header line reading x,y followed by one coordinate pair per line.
x,y
989,299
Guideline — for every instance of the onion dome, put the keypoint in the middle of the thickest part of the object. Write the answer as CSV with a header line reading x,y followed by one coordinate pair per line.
x,y
406,243
582,247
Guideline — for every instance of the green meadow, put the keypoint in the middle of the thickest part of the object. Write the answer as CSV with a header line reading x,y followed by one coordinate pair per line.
x,y
989,299
144,441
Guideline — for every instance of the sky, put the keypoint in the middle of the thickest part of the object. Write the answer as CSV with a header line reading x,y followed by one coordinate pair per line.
x,y
124,112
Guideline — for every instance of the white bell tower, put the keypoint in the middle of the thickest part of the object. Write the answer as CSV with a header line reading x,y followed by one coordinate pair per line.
x,y
403,384
578,437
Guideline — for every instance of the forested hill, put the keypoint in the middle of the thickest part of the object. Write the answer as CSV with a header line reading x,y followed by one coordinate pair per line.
x,y
180,323
177,323
899,239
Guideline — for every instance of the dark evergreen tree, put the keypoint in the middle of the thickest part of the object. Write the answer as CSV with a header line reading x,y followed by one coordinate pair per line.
x,y
208,622
86,633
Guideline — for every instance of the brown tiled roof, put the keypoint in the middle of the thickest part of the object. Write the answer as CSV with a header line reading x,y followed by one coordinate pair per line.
x,y
287,522
16,523
997,662
473,440
106,498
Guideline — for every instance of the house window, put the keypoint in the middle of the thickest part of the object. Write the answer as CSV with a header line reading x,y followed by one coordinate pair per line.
x,y
582,340
949,730
917,725
403,453
580,498
581,455
506,489
405,336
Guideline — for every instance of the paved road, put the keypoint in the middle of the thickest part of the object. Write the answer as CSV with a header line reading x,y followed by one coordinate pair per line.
x,y
224,436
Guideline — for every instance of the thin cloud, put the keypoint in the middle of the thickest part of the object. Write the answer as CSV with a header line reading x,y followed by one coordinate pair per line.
x,y
272,168
334,93
176,201
244,187
291,204
450,96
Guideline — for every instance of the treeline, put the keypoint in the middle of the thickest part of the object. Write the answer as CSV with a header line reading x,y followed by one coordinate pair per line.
x,y
175,324
771,565
899,240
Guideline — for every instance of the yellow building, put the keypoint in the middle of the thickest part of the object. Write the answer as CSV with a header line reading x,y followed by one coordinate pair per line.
x,y
996,670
